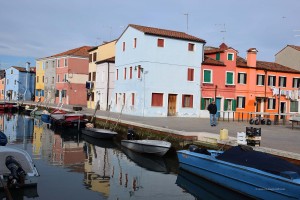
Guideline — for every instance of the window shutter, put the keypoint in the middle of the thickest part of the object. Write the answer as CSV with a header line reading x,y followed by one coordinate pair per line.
x,y
191,101
234,105
211,100
245,78
243,102
225,105
229,79
239,78
217,56
207,75
202,104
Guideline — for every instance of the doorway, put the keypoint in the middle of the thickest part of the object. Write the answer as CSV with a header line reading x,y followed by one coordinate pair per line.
x,y
172,104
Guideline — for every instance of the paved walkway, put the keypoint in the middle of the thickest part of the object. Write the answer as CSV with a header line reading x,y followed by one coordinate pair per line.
x,y
280,137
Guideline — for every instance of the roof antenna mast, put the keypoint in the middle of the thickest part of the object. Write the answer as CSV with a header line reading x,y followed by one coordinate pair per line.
x,y
187,22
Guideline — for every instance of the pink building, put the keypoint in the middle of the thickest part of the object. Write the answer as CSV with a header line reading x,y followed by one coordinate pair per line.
x,y
71,75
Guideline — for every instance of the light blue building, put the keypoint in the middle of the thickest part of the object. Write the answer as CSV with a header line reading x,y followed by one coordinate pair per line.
x,y
157,73
20,83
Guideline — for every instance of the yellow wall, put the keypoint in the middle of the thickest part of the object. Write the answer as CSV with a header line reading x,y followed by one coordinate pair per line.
x,y
40,72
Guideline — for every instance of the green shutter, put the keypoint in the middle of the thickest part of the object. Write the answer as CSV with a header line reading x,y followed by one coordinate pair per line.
x,y
225,105
211,100
230,56
229,78
207,75
202,104
234,105
218,56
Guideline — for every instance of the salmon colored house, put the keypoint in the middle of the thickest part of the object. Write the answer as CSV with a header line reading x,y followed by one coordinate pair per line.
x,y
266,87
2,85
218,78
71,75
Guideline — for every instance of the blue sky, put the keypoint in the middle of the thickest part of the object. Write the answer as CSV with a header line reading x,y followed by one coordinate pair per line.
x,y
33,29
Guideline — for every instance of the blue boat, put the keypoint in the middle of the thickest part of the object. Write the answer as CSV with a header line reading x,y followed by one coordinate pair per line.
x,y
244,170
3,139
46,118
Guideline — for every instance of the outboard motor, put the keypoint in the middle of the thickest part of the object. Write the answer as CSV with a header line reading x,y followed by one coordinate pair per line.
x,y
130,134
3,139
194,148
17,174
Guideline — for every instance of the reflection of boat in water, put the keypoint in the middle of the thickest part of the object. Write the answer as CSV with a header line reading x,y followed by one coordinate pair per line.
x,y
154,147
98,142
30,192
99,133
149,162
204,189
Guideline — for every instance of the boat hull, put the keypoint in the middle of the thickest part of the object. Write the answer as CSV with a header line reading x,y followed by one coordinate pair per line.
x,y
99,133
154,147
249,181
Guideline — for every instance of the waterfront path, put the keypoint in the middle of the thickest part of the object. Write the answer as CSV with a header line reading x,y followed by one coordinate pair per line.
x,y
274,137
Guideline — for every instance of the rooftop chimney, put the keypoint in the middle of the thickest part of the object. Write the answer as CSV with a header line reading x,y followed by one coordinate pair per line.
x,y
251,57
28,66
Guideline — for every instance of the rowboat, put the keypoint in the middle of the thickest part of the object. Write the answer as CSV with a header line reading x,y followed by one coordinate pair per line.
x,y
20,158
155,147
244,170
99,133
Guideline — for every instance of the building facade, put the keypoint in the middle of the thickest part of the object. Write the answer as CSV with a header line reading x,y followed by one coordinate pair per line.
x,y
289,56
157,72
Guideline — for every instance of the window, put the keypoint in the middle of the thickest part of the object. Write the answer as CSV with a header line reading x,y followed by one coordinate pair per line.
x,y
90,57
207,76
294,106
124,98
94,56
130,73
260,79
157,99
37,79
63,93
132,99
229,105
230,56
271,80
139,72
65,78
15,82
190,74
116,98
11,71
134,42
229,78
187,101
191,47
296,82
57,78
57,62
94,76
66,62
125,71
117,74
205,102
241,102
242,78
42,93
90,76
123,46
7,81
282,81
218,55
160,42
92,96
56,93
271,103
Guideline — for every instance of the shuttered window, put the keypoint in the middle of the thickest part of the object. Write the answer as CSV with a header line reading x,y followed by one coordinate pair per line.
x,y
271,103
207,76
191,47
217,56
90,57
190,74
294,106
157,99
242,78
282,81
123,46
125,71
139,72
230,56
130,72
229,78
241,102
271,80
260,79
117,74
160,42
132,99
205,102
187,101
296,82
94,56
134,42
94,76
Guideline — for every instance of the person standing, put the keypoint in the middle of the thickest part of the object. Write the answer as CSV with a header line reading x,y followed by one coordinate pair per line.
x,y
212,108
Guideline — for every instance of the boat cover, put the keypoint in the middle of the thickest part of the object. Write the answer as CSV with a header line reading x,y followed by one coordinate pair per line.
x,y
259,160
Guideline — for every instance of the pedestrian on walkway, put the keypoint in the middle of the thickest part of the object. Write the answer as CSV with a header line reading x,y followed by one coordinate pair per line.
x,y
212,108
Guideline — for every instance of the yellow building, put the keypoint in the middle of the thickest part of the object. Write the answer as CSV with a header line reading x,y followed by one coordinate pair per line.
x,y
40,80
96,55
37,138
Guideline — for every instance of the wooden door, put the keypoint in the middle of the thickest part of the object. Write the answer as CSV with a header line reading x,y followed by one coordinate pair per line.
x,y
258,105
172,104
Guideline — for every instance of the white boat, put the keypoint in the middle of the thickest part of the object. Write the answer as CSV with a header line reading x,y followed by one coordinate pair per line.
x,y
155,147
24,159
99,133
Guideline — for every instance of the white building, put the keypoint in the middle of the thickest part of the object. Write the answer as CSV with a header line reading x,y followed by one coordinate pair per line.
x,y
157,73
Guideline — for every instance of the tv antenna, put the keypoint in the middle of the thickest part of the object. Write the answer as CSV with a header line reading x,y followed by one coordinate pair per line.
x,y
223,30
187,22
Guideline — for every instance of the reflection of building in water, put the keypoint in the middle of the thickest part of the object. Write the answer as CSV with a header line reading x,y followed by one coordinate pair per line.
x,y
67,149
98,168
2,122
37,138
47,143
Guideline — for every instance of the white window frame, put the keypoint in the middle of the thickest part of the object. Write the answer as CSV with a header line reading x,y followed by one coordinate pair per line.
x,y
262,80
232,56
274,77
233,81
245,79
279,82
211,75
273,107
238,104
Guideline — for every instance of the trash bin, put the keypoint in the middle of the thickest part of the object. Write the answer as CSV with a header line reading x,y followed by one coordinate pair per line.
x,y
224,134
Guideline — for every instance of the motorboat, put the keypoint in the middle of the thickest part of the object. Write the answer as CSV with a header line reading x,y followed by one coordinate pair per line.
x,y
155,147
242,169
68,120
99,133
17,169
3,139
46,116
99,143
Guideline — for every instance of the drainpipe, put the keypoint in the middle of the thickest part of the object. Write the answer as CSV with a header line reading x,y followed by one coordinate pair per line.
x,y
107,90
265,99
26,78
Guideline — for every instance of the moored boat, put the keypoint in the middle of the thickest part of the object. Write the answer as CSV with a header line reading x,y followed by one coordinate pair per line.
x,y
244,170
99,133
3,139
17,169
155,147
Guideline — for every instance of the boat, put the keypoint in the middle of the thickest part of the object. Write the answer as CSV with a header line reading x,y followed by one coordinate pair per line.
x,y
46,116
242,169
68,120
99,133
100,143
149,162
202,188
155,147
3,139
22,162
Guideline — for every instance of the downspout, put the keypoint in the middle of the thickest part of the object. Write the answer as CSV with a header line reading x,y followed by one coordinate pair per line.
x,y
265,99
107,89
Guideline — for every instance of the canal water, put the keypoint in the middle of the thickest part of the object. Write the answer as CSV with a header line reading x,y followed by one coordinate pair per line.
x,y
75,166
